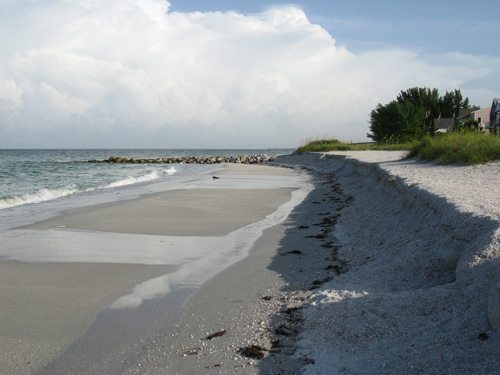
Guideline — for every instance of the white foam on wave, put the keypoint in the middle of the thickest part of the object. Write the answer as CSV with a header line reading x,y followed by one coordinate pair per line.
x,y
129,180
43,195
170,171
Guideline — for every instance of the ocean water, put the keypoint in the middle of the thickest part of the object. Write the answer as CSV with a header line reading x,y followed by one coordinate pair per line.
x,y
30,177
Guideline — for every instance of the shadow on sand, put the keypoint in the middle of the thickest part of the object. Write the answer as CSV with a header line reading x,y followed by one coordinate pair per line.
x,y
406,253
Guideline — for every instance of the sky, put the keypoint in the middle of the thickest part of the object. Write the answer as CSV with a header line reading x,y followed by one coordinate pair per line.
x,y
230,74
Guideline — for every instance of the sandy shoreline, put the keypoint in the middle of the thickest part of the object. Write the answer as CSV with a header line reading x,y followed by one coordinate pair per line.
x,y
252,298
390,269
59,273
386,267
197,212
45,307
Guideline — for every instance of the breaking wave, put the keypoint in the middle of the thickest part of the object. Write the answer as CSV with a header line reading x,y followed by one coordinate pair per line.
x,y
41,195
44,195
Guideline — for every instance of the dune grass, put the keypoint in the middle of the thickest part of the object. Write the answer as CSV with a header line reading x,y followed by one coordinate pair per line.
x,y
462,148
458,148
325,145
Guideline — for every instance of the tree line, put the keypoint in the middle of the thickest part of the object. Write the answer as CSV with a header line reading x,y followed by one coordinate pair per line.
x,y
411,115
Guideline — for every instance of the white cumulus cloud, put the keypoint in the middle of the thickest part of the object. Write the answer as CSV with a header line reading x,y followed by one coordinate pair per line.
x,y
130,73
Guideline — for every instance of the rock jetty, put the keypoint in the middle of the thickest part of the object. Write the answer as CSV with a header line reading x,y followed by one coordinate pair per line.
x,y
239,159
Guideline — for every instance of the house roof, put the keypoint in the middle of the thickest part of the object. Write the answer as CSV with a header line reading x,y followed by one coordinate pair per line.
x,y
444,123
464,112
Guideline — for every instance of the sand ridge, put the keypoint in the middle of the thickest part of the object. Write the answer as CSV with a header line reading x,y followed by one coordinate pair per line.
x,y
421,291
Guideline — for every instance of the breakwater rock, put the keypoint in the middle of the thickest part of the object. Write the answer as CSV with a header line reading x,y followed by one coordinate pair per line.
x,y
239,159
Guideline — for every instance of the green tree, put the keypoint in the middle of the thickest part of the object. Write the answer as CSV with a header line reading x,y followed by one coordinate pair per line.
x,y
385,121
396,122
451,103
422,97
418,96
411,115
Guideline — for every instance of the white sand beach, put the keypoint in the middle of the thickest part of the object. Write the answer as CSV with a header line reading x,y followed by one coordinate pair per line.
x,y
388,266
421,289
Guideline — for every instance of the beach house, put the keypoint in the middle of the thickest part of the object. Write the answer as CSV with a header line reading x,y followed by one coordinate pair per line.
x,y
482,116
488,119
494,125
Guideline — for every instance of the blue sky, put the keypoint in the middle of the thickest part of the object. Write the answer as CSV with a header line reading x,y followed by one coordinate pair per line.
x,y
428,26
229,74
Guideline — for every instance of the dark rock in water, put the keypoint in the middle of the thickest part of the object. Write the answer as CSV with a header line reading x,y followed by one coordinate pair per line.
x,y
240,159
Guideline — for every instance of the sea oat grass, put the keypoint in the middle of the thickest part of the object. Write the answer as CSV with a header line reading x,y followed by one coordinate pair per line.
x,y
458,148
324,145
463,148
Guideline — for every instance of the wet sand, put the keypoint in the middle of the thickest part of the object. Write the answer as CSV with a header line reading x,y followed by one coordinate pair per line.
x,y
194,212
45,307
76,268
